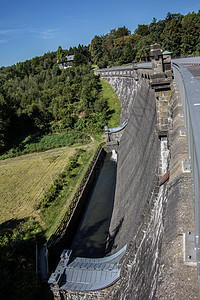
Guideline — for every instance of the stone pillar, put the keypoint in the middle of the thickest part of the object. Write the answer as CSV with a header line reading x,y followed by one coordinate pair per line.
x,y
167,64
156,59
160,81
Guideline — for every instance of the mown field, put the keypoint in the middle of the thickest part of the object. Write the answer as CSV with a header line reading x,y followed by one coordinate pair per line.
x,y
25,179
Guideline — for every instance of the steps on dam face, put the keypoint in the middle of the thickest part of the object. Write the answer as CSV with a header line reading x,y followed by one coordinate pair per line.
x,y
111,147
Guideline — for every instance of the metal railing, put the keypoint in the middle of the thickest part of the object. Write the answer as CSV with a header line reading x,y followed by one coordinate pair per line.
x,y
189,89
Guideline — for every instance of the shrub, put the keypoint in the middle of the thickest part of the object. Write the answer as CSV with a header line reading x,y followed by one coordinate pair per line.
x,y
62,180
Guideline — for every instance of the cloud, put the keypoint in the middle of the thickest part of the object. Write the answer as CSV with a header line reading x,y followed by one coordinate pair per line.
x,y
11,33
8,31
46,33
49,33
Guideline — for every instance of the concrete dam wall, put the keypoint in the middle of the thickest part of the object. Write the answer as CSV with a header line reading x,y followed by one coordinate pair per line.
x,y
138,158
137,218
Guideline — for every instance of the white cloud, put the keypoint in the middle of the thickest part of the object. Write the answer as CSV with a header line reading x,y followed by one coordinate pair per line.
x,y
8,31
46,33
3,41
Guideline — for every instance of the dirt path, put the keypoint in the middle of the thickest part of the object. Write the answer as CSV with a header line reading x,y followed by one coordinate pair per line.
x,y
48,152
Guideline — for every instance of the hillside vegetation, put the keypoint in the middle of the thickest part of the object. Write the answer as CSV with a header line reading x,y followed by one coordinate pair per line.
x,y
42,107
176,33
36,191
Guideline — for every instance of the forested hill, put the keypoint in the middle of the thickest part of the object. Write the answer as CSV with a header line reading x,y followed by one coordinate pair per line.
x,y
176,33
38,95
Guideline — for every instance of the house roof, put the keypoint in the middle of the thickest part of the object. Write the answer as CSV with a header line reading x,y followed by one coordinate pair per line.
x,y
166,52
70,57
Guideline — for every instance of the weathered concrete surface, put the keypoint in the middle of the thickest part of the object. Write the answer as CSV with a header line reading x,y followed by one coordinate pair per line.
x,y
126,89
138,158
176,279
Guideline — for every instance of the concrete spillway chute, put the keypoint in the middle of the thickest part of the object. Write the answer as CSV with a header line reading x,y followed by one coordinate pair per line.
x,y
86,274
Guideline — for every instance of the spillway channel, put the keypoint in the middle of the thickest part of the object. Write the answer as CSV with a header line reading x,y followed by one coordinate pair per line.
x,y
90,238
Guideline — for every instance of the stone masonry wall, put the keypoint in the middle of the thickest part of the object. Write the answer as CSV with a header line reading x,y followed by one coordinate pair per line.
x,y
176,279
163,108
138,158
126,87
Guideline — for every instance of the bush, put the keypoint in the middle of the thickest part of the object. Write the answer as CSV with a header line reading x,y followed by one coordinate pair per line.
x,y
35,143
62,180
17,260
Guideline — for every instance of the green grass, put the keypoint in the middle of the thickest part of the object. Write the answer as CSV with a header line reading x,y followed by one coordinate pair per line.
x,y
53,215
25,179
113,103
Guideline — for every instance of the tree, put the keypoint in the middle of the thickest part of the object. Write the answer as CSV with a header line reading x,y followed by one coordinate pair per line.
x,y
143,48
156,29
171,37
121,31
190,33
142,30
198,46
60,55
4,122
79,59
95,48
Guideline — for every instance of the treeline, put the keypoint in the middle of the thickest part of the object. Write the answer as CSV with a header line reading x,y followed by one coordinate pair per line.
x,y
36,95
176,33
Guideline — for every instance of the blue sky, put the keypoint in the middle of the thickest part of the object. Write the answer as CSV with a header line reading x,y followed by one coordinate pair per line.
x,y
32,28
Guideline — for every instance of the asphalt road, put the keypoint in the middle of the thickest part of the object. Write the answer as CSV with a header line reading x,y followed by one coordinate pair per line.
x,y
195,70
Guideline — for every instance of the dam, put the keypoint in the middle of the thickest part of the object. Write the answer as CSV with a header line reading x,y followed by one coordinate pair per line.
x,y
152,210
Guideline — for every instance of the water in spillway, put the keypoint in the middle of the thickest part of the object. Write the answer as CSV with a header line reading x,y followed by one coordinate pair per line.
x,y
91,236
114,155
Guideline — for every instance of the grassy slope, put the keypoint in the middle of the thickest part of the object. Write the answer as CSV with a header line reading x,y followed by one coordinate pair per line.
x,y
113,103
53,215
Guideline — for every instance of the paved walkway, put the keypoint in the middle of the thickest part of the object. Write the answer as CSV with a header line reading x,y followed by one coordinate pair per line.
x,y
195,70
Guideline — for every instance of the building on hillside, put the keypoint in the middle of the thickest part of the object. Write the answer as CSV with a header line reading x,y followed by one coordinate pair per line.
x,y
68,62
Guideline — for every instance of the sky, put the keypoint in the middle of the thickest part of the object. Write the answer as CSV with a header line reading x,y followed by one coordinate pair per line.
x,y
32,28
